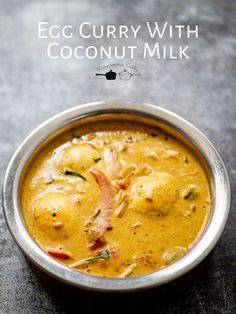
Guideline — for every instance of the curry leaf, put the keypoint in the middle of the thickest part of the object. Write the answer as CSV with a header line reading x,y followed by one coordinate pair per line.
x,y
75,174
97,159
104,255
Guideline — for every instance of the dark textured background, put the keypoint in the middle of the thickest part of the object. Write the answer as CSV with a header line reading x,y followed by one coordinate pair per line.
x,y
202,90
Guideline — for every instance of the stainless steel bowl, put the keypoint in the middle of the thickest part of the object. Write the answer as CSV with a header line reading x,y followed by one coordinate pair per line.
x,y
218,178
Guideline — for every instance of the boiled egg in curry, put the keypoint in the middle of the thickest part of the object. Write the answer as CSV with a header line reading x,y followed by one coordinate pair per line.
x,y
116,199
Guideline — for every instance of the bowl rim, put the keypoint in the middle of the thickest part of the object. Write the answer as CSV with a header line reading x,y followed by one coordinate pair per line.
x,y
220,211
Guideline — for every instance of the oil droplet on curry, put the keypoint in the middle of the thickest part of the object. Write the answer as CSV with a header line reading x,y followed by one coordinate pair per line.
x,y
116,199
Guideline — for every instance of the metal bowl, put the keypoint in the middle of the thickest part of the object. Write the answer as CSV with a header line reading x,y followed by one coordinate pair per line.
x,y
218,178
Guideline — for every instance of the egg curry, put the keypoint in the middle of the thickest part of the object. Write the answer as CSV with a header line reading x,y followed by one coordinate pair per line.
x,y
116,199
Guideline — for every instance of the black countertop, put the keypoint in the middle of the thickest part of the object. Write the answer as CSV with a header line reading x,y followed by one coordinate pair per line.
x,y
202,90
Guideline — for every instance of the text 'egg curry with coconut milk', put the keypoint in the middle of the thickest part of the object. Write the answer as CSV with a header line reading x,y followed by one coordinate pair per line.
x,y
116,199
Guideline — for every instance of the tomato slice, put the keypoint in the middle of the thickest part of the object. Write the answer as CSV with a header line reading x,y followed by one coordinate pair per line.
x,y
102,221
60,255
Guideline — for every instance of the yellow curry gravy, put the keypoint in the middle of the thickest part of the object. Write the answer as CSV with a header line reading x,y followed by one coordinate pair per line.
x,y
116,199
